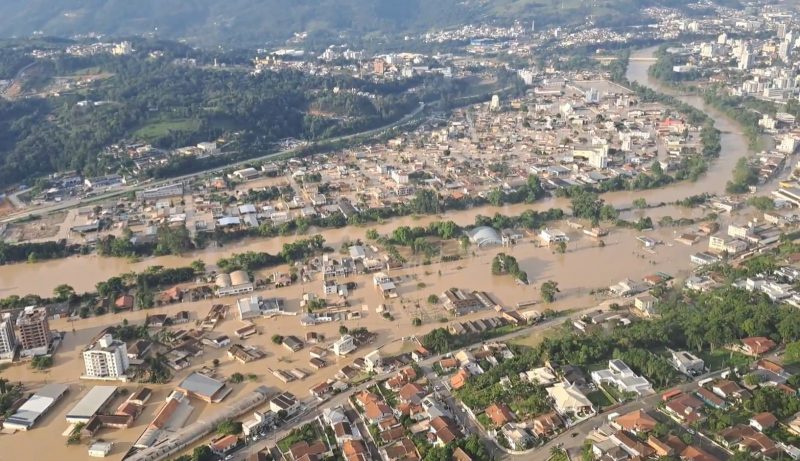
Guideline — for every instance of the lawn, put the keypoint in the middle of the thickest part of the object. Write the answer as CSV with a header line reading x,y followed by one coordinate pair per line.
x,y
159,128
309,433
722,358
536,338
599,399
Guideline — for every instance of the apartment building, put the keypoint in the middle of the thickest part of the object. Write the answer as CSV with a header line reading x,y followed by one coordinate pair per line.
x,y
8,341
107,358
33,331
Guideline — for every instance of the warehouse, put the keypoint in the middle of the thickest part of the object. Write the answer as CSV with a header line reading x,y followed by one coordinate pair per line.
x,y
39,404
91,404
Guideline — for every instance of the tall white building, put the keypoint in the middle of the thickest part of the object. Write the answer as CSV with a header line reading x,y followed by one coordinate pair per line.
x,y
745,60
107,358
8,341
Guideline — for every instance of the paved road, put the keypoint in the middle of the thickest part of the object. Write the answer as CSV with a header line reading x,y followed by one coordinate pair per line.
x,y
66,204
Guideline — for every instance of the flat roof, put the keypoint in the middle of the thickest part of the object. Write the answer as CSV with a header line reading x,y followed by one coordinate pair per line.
x,y
92,402
37,405
201,385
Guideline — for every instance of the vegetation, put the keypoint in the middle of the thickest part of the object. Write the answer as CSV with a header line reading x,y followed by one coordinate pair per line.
x,y
229,427
42,362
549,290
744,176
505,264
291,252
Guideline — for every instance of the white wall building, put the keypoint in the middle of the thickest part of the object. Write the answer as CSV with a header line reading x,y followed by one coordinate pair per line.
x,y
344,345
8,342
106,359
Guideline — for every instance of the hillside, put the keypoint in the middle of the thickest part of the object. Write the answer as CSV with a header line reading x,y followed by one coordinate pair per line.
x,y
255,21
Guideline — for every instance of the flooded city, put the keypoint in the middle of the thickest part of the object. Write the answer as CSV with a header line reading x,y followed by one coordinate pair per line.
x,y
584,271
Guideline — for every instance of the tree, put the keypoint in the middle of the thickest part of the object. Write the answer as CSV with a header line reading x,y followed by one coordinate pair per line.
x,y
561,248
277,339
236,378
640,203
215,362
343,330
63,292
42,362
433,299
792,353
372,234
548,290
199,266
416,321
229,427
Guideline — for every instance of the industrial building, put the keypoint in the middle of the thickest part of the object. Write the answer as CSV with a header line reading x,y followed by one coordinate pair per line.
x,y
91,404
37,406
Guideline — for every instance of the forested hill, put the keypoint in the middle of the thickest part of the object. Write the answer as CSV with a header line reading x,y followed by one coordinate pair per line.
x,y
254,21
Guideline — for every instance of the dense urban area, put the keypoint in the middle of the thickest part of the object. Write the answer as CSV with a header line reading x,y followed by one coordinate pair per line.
x,y
475,237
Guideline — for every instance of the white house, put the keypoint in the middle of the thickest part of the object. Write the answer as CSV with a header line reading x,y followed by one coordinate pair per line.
x,y
344,345
623,378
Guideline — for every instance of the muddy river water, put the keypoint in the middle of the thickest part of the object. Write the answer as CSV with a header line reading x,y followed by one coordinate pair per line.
x,y
584,267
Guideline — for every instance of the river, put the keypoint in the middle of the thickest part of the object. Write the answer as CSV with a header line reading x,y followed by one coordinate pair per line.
x,y
84,272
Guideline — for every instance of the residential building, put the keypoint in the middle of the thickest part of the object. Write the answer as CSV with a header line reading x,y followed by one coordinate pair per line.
x,y
33,331
107,358
687,363
568,400
623,378
344,345
8,341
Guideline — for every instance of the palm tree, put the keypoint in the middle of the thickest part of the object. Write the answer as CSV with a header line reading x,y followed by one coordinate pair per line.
x,y
3,385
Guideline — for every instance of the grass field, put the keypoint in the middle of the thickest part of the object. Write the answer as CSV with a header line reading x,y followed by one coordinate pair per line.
x,y
722,358
536,338
157,129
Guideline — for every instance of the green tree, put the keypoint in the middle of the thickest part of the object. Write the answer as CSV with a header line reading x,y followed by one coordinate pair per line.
x,y
199,266
63,292
277,339
548,291
229,427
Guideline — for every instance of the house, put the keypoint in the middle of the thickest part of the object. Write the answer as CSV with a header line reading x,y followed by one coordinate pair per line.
x,y
293,343
304,451
745,438
568,400
687,363
402,450
637,422
757,345
763,421
517,437
619,375
633,447
684,408
344,345
459,380
286,402
445,430
500,414
693,453
729,390
124,303
447,364
411,393
355,450
547,425
377,411
221,446
646,303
